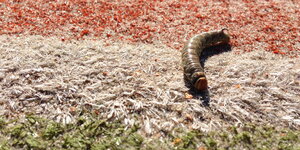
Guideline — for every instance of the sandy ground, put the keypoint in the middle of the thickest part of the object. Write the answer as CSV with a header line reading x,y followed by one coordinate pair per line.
x,y
143,84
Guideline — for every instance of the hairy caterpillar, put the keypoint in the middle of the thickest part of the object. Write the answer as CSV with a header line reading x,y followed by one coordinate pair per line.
x,y
193,71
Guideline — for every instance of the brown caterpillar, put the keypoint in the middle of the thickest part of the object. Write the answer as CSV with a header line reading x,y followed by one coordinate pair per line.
x,y
193,71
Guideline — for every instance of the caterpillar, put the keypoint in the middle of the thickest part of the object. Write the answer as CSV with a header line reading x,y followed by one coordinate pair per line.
x,y
193,71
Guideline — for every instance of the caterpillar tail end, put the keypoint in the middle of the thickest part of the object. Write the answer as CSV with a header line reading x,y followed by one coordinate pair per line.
x,y
201,84
224,29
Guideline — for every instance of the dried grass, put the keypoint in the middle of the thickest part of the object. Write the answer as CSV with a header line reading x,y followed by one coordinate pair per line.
x,y
143,84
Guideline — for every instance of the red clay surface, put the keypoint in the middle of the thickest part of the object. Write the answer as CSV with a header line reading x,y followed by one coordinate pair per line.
x,y
271,25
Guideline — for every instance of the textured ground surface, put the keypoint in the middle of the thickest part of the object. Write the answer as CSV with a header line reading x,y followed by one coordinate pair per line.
x,y
124,84
270,25
143,83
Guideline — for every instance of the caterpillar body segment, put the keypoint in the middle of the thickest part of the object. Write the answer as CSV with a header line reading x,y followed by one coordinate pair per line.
x,y
193,71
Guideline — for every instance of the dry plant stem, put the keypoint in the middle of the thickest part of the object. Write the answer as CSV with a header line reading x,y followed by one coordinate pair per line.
x,y
193,71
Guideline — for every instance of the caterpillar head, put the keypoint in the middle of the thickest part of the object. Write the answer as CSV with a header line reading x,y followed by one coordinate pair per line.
x,y
200,81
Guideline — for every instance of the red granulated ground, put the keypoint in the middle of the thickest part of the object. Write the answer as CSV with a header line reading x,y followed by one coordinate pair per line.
x,y
272,25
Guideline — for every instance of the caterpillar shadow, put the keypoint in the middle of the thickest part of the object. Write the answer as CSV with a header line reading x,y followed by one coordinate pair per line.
x,y
204,96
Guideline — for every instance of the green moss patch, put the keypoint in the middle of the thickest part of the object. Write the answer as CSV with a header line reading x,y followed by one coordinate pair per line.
x,y
90,133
